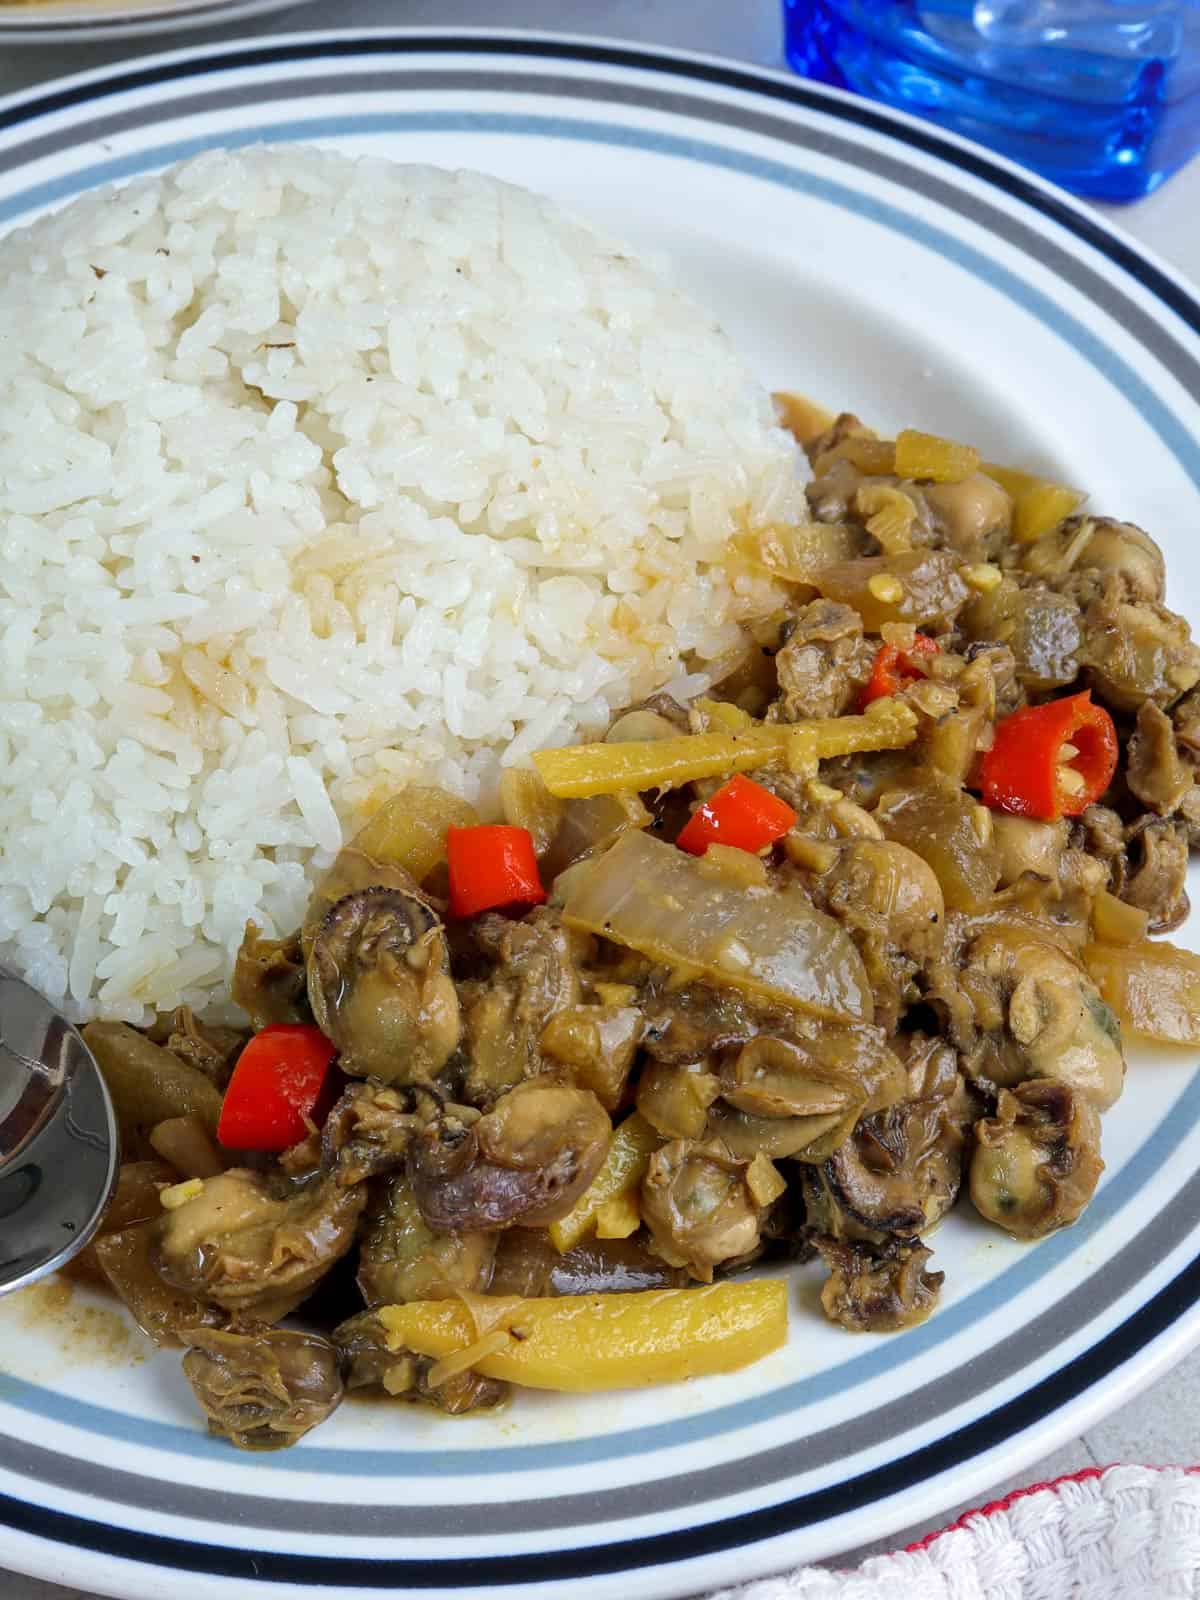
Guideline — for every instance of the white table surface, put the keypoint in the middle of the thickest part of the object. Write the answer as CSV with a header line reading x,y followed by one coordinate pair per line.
x,y
1162,1426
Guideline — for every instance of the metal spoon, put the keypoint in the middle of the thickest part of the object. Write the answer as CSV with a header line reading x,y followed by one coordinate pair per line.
x,y
58,1138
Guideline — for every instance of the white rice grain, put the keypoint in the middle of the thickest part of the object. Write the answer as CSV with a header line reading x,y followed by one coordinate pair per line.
x,y
317,477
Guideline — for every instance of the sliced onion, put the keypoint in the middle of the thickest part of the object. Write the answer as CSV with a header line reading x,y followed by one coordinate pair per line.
x,y
657,900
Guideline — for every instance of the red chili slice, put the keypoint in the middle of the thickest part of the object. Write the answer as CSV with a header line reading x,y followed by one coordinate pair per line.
x,y
273,1096
1052,760
491,866
894,669
741,813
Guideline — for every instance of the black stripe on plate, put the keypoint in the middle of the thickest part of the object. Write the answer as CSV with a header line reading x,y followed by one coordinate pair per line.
x,y
859,112
1084,1372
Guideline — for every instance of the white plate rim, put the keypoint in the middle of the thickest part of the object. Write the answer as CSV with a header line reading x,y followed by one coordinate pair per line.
x,y
1162,1329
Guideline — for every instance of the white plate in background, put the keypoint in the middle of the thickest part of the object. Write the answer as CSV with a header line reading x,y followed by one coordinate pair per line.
x,y
57,21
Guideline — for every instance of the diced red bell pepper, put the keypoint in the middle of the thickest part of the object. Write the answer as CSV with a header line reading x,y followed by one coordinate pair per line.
x,y
894,669
274,1095
1026,770
490,867
741,813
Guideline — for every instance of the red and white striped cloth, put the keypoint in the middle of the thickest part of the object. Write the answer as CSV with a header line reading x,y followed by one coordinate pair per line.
x,y
1117,1533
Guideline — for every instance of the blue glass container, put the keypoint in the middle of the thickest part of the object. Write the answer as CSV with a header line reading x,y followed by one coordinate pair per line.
x,y
1103,96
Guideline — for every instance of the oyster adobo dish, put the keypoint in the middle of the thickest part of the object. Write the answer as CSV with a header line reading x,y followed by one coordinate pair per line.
x,y
781,974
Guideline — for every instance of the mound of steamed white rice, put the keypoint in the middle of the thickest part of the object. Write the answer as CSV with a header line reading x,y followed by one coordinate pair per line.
x,y
315,477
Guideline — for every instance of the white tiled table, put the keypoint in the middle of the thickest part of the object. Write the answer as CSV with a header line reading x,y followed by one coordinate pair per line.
x,y
1162,1426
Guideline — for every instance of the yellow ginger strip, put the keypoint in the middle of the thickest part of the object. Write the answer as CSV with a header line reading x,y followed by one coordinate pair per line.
x,y
617,1219
629,1152
577,771
876,457
582,1343
1039,504
933,459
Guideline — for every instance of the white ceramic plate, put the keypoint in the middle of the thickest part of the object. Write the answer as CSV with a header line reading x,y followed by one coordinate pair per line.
x,y
57,21
878,265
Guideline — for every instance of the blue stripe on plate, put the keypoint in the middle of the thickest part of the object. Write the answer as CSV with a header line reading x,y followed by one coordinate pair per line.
x,y
1051,1254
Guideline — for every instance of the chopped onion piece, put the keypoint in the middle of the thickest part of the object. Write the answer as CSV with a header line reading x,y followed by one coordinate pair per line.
x,y
650,897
